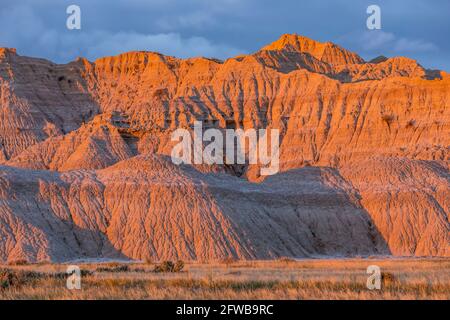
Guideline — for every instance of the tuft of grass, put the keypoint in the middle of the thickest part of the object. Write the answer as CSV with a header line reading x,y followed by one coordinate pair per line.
x,y
15,278
8,279
114,269
275,279
286,260
169,266
228,261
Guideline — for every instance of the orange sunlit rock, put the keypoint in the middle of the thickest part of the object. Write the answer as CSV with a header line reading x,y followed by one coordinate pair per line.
x,y
86,170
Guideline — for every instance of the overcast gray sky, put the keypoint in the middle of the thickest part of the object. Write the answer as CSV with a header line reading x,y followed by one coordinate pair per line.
x,y
419,29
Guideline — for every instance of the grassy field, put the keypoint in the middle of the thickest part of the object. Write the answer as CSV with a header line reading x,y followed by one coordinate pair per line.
x,y
281,279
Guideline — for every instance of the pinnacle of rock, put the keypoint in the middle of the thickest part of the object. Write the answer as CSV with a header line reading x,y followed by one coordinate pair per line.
x,y
327,52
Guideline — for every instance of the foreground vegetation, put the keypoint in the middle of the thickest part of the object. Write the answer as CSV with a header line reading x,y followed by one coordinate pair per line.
x,y
281,279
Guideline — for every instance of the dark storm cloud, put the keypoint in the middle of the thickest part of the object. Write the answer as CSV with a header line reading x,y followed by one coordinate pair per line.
x,y
415,28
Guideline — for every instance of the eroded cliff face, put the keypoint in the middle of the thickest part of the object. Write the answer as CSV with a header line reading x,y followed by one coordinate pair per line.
x,y
364,156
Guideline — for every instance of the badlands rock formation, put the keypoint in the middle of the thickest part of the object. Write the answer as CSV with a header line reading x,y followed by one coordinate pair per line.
x,y
85,168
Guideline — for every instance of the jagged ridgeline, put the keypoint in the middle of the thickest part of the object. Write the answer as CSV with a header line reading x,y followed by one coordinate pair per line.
x,y
86,170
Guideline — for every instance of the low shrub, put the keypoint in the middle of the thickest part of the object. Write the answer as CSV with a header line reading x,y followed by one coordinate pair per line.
x,y
8,279
20,262
64,275
169,266
12,278
120,268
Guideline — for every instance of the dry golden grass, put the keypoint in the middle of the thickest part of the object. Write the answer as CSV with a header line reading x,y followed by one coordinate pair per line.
x,y
282,279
